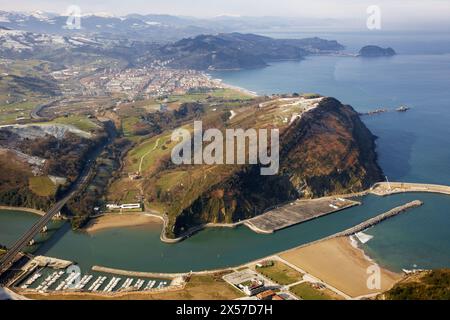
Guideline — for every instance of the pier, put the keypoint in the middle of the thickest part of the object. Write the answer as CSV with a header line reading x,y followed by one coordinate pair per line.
x,y
364,225
376,220
297,212
387,188
138,274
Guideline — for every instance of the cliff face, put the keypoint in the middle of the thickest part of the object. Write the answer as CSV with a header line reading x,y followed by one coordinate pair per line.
x,y
327,151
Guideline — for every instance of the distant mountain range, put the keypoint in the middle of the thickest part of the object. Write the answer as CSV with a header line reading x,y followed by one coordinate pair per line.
x,y
240,51
182,42
151,27
18,44
203,52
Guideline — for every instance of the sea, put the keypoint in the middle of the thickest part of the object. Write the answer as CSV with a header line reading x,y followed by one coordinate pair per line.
x,y
412,146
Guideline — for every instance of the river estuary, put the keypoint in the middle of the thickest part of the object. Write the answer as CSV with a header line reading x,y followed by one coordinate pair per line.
x,y
412,147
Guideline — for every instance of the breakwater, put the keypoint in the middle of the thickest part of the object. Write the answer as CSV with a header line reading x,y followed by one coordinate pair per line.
x,y
388,188
376,220
366,224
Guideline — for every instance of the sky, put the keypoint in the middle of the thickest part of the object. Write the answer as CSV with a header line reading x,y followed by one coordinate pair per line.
x,y
407,12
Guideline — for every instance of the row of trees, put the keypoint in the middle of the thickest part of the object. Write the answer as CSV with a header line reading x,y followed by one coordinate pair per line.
x,y
64,156
81,207
156,122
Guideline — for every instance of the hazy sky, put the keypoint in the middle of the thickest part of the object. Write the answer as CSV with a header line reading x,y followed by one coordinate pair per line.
x,y
395,11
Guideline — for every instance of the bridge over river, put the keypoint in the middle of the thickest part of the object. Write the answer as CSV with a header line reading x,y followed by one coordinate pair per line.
x,y
10,256
41,224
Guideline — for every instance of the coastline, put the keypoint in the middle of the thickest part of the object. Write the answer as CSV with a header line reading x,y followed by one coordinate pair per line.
x,y
230,86
112,221
347,233
316,260
24,209
379,189
319,259
317,256
353,262
240,89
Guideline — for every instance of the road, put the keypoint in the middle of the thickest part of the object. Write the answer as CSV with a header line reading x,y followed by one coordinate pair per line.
x,y
83,178
34,114
12,252
142,158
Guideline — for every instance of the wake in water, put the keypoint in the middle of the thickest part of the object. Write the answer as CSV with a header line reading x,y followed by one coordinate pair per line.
x,y
363,238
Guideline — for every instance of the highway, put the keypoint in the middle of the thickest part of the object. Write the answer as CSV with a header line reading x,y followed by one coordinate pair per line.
x,y
12,252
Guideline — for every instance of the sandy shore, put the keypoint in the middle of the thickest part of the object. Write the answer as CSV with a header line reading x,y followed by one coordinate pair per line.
x,y
112,221
30,210
337,262
240,89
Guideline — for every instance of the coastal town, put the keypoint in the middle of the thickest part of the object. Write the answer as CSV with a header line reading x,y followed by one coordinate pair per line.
x,y
242,157
153,81
299,273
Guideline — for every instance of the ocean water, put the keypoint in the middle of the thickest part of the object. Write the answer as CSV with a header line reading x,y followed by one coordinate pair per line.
x,y
140,249
412,146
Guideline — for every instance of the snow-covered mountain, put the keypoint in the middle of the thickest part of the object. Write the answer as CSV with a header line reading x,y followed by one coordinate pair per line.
x,y
154,27
134,26
22,41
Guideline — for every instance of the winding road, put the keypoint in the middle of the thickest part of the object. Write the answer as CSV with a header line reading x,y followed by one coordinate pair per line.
x,y
142,158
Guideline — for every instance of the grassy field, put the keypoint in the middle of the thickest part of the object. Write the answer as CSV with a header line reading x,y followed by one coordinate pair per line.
x,y
230,94
149,152
280,273
226,94
78,121
171,179
24,86
131,196
42,186
10,112
311,95
118,190
306,292
127,126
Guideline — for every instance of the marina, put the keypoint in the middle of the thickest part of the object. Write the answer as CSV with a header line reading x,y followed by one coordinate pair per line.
x,y
216,248
47,281
46,275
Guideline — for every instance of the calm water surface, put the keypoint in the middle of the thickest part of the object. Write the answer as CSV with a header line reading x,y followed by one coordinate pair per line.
x,y
412,146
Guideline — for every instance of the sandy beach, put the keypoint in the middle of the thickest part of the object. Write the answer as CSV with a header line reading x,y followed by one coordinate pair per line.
x,y
337,262
112,221
30,210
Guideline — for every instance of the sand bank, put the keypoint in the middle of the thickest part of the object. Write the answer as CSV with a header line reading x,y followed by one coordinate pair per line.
x,y
30,210
338,263
111,221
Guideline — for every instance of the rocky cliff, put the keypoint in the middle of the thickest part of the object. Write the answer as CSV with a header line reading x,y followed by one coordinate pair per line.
x,y
327,151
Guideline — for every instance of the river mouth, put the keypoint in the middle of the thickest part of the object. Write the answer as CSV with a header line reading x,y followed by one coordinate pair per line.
x,y
412,146
404,241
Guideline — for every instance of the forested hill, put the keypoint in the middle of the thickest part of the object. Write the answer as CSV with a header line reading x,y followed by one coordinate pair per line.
x,y
240,51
